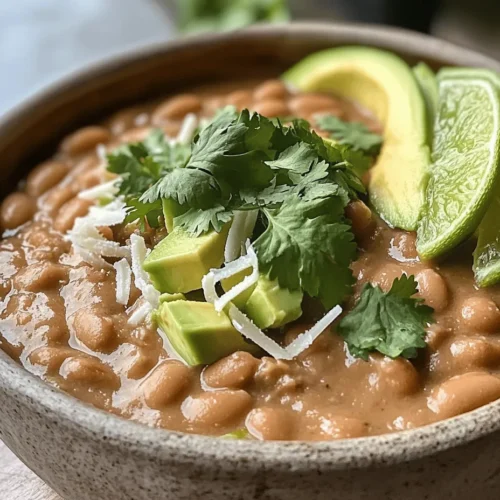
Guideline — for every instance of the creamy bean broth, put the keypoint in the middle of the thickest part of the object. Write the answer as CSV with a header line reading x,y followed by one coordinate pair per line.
x,y
59,315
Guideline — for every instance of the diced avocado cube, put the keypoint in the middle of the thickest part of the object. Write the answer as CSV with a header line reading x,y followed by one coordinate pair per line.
x,y
171,209
171,297
240,300
198,332
270,306
179,262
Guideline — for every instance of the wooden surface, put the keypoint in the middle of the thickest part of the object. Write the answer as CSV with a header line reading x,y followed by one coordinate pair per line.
x,y
17,482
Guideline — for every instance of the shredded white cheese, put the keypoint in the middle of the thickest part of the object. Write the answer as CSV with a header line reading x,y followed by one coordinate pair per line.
x,y
123,281
140,311
104,190
139,253
188,128
101,152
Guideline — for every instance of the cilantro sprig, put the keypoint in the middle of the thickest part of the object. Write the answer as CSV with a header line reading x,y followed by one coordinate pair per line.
x,y
391,323
353,134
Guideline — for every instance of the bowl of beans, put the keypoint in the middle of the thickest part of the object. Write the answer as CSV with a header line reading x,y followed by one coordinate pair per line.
x,y
218,279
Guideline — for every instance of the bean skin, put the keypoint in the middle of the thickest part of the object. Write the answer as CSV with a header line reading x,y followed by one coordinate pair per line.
x,y
45,176
89,372
17,209
271,89
481,314
85,139
273,424
272,108
41,276
306,105
166,383
216,408
94,330
233,372
464,393
70,211
432,288
177,108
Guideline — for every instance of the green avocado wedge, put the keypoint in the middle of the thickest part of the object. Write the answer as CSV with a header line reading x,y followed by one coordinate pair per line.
x,y
383,83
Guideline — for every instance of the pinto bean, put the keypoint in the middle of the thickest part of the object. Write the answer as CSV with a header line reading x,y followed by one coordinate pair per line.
x,y
85,139
274,424
57,197
271,89
51,358
233,371
69,212
17,209
306,105
474,353
432,288
90,178
398,376
405,245
166,383
464,393
481,314
93,329
45,176
172,129
363,222
41,276
340,427
240,99
177,108
216,408
272,108
135,134
142,361
385,275
89,372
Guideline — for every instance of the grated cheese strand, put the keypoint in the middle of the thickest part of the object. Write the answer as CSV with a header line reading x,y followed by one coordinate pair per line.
x,y
123,281
106,190
188,128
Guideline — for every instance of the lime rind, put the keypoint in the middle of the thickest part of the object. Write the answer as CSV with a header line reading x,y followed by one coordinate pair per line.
x,y
464,169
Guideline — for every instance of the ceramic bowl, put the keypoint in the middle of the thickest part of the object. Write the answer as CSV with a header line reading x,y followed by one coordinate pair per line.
x,y
87,454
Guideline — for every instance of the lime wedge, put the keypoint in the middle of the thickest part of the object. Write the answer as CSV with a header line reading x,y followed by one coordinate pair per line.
x,y
487,254
465,159
427,82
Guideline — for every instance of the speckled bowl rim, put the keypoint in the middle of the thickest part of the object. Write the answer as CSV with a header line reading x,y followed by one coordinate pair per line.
x,y
252,456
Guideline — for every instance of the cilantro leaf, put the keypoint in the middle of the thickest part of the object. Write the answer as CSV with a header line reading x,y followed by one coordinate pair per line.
x,y
198,221
197,16
308,246
391,323
354,134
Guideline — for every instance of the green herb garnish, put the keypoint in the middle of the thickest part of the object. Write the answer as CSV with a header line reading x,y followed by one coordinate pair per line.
x,y
353,134
391,323
197,16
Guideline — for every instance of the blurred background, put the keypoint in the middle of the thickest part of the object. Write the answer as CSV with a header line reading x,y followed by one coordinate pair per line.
x,y
42,39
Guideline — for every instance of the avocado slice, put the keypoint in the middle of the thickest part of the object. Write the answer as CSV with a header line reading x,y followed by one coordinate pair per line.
x,y
270,306
383,83
198,333
179,262
171,209
240,300
171,297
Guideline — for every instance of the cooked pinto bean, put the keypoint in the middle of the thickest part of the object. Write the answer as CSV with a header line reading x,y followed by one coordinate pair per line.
x,y
307,105
464,393
51,358
217,408
397,375
481,314
432,288
363,223
85,139
135,134
232,372
41,276
172,129
93,329
45,176
141,363
16,209
272,108
89,371
384,276
475,353
57,197
240,99
90,178
340,427
272,89
74,208
176,108
273,424
166,383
